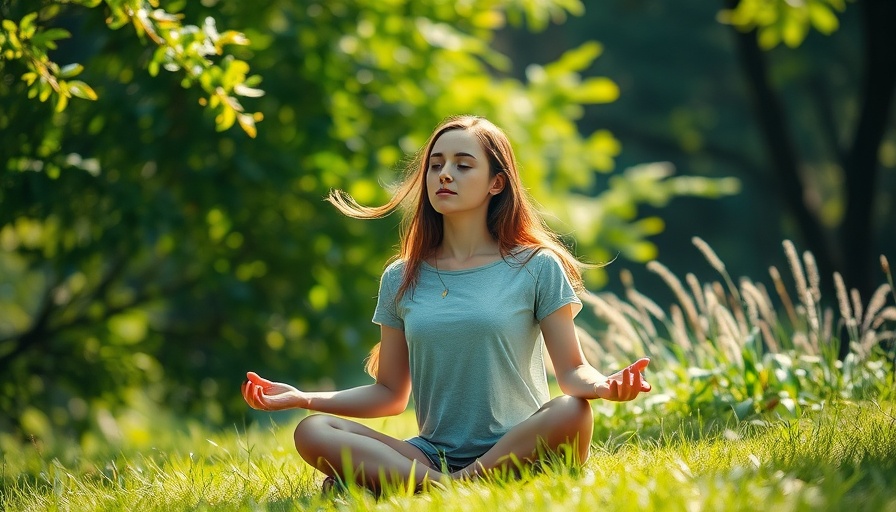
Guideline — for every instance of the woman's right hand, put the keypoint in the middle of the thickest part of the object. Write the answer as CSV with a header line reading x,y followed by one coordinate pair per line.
x,y
265,395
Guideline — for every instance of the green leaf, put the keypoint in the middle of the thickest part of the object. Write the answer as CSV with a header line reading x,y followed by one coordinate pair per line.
x,y
225,119
597,90
28,21
769,37
45,91
128,328
794,32
744,409
488,19
82,90
46,37
576,59
249,92
823,19
247,123
71,70
61,102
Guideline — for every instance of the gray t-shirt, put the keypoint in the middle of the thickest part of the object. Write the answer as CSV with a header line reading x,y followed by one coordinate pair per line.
x,y
476,361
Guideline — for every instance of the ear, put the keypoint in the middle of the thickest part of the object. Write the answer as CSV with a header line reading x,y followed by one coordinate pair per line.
x,y
498,185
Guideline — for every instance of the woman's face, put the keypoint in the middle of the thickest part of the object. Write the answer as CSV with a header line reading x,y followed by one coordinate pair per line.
x,y
458,177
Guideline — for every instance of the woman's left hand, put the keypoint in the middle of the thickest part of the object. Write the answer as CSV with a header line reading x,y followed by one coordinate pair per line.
x,y
625,384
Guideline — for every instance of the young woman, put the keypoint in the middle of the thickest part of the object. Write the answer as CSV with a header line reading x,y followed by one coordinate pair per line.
x,y
478,283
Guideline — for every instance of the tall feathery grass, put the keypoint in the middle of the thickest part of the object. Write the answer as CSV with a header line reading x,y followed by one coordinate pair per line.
x,y
749,349
751,409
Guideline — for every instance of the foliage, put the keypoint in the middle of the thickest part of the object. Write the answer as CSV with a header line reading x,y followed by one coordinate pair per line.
x,y
142,248
179,47
857,155
831,459
726,348
780,21
808,130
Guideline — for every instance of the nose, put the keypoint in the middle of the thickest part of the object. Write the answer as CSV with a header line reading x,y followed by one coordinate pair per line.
x,y
444,177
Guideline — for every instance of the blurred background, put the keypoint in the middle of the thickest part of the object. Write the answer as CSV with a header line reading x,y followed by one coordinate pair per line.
x,y
162,223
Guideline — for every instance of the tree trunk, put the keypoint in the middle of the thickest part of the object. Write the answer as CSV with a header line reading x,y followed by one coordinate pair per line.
x,y
861,165
783,159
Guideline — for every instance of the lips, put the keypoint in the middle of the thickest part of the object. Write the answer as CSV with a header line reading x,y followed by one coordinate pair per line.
x,y
445,191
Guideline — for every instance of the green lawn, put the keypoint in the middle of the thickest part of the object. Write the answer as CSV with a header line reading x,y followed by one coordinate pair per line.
x,y
842,457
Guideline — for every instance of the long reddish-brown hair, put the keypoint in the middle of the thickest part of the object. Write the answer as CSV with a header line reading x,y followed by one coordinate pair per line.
x,y
512,219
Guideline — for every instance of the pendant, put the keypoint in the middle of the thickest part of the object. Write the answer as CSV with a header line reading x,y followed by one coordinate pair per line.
x,y
445,293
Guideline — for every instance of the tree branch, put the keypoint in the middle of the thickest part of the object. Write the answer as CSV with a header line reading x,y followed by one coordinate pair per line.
x,y
36,332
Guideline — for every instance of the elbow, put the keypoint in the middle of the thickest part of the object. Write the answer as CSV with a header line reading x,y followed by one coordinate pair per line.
x,y
397,402
396,409
396,406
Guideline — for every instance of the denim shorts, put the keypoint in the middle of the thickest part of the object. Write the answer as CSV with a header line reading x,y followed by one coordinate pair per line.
x,y
445,463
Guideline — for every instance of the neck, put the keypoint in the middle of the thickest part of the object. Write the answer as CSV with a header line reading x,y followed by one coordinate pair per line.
x,y
463,241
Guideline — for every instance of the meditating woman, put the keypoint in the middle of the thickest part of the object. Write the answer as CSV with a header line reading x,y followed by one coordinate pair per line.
x,y
478,283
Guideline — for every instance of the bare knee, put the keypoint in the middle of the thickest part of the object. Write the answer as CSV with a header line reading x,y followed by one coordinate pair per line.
x,y
575,423
572,411
309,435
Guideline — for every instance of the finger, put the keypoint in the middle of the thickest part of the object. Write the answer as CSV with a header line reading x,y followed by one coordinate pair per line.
x,y
264,401
253,396
247,395
258,379
247,392
641,364
642,384
637,384
628,391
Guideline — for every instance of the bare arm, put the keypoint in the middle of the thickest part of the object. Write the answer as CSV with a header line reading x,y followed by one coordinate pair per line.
x,y
575,375
388,396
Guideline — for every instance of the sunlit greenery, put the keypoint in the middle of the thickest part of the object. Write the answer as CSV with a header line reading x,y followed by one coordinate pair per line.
x,y
163,166
787,22
741,350
837,457
144,248
728,425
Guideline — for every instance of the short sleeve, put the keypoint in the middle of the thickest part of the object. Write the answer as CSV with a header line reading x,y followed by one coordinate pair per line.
x,y
386,312
552,288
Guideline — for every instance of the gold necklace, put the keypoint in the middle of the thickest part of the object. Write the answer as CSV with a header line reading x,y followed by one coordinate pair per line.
x,y
445,291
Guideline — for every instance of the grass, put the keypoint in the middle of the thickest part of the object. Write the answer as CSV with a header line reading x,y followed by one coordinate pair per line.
x,y
751,410
842,457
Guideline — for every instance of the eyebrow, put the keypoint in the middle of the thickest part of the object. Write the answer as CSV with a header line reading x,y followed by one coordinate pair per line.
x,y
440,155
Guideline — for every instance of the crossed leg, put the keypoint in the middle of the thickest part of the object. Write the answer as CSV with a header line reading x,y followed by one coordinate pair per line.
x,y
353,452
564,422
349,450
